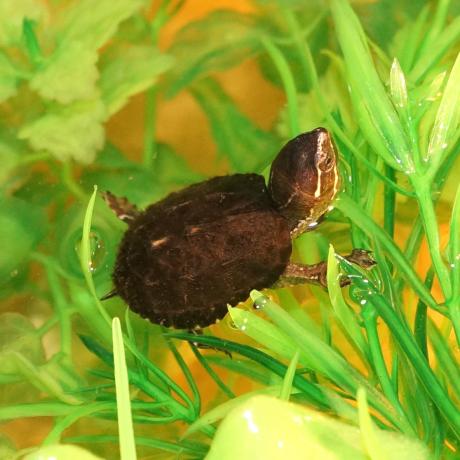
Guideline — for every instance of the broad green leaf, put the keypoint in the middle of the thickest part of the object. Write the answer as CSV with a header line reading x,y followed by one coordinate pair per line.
x,y
263,332
247,147
378,118
128,71
446,127
219,41
12,14
8,78
265,427
70,73
93,23
68,132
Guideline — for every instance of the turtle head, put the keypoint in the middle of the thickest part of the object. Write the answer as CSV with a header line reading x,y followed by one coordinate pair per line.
x,y
304,179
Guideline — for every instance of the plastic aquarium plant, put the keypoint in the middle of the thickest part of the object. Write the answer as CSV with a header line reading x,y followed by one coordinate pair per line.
x,y
376,364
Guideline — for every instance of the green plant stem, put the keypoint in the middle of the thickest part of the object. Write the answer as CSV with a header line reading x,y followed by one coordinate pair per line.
x,y
61,306
288,83
406,341
149,130
437,25
312,391
389,203
69,182
54,435
196,401
204,362
195,450
430,225
351,209
33,158
420,321
369,315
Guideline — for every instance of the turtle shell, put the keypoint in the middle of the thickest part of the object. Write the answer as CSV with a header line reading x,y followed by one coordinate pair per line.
x,y
185,258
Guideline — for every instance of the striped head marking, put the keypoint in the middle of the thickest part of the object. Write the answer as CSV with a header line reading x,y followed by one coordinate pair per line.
x,y
304,178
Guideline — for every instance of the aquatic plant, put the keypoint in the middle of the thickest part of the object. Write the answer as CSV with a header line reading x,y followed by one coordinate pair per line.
x,y
385,85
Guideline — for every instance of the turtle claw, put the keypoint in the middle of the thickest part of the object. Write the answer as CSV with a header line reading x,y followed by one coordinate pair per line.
x,y
122,208
109,295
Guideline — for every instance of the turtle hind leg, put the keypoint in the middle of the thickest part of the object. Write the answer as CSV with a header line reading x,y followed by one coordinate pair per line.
x,y
122,208
317,273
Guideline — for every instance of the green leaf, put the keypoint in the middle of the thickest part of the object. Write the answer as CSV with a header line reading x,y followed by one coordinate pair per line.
x,y
247,147
69,74
22,226
378,118
12,15
18,336
9,158
454,259
93,23
8,78
68,132
342,310
310,390
446,40
446,127
125,422
219,41
445,357
286,388
104,355
353,211
398,85
321,357
129,70
221,411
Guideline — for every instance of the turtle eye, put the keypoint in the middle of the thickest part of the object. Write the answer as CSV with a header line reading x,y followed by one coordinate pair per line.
x,y
326,164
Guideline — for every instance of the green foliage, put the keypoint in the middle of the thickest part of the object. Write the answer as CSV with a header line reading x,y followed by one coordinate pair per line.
x,y
383,78
76,87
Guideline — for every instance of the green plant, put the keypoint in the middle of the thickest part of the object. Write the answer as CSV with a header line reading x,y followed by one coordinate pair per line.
x,y
390,97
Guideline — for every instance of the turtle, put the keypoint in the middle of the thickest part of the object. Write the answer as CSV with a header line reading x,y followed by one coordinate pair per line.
x,y
185,258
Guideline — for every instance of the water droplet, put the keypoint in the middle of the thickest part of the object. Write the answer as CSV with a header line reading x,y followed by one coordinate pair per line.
x,y
98,251
260,303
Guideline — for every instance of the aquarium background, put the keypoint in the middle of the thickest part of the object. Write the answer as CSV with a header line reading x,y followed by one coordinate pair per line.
x,y
142,98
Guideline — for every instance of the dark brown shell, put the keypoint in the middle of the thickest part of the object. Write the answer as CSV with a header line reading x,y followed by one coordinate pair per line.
x,y
186,257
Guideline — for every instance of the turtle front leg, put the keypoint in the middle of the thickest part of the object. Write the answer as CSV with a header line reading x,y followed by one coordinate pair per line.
x,y
317,273
122,208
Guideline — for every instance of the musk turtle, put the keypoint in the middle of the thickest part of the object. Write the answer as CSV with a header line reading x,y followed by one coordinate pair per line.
x,y
185,258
